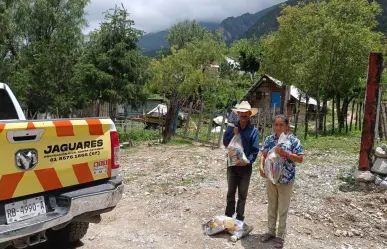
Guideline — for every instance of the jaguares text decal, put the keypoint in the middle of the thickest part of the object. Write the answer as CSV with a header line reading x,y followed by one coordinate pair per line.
x,y
60,152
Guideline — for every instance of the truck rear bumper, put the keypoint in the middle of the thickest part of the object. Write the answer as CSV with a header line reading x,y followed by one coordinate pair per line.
x,y
69,206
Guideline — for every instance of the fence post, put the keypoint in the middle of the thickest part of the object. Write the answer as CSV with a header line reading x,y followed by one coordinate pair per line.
x,y
188,120
176,120
274,111
160,127
375,68
377,122
384,120
200,121
211,121
222,129
264,125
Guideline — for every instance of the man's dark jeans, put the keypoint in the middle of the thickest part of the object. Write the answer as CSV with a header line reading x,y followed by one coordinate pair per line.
x,y
238,177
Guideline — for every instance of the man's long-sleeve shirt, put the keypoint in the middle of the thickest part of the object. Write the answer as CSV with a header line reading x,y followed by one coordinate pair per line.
x,y
250,140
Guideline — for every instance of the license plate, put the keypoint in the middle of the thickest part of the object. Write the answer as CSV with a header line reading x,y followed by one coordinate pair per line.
x,y
26,209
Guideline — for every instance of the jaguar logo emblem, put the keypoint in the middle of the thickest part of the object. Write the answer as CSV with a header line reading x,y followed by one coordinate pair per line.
x,y
26,159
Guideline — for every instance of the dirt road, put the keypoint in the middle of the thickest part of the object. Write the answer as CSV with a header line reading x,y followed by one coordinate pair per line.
x,y
172,190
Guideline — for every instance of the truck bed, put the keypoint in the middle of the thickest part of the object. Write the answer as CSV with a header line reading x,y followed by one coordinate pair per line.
x,y
44,155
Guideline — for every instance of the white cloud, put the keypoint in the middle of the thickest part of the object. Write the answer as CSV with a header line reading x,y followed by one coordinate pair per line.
x,y
156,15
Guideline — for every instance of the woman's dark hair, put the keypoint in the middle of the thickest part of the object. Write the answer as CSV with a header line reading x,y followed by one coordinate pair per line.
x,y
283,117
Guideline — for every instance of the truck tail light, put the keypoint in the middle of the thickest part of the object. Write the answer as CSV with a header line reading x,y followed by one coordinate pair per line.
x,y
115,149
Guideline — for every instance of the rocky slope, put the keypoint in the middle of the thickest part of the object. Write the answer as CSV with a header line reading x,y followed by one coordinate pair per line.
x,y
234,28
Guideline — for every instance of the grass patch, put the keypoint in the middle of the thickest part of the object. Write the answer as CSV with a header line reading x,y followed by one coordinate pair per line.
x,y
348,143
129,179
133,177
347,176
165,185
193,179
180,141
138,134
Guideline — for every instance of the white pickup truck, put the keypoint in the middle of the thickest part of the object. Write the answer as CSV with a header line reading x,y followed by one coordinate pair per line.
x,y
56,176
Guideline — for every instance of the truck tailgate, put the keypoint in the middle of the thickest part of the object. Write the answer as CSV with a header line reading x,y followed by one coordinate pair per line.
x,y
39,156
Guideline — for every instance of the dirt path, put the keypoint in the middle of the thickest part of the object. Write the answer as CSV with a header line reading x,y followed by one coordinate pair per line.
x,y
172,190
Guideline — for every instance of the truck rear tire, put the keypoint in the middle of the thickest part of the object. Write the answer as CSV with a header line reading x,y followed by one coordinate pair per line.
x,y
71,233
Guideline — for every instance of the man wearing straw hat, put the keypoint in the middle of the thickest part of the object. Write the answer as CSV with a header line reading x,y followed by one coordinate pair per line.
x,y
238,176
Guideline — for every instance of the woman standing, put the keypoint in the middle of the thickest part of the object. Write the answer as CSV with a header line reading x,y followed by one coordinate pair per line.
x,y
279,195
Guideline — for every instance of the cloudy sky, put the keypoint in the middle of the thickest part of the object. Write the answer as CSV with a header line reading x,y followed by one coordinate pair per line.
x,y
157,15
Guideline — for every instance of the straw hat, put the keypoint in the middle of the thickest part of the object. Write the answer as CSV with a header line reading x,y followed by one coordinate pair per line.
x,y
244,106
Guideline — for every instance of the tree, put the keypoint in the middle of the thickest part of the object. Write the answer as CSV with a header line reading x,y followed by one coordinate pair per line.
x,y
112,68
323,47
186,74
39,45
181,34
248,54
231,85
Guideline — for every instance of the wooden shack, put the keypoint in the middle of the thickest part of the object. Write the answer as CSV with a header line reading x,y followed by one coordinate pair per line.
x,y
268,93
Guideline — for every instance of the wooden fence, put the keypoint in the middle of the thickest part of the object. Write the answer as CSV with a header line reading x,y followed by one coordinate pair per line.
x,y
95,110
201,127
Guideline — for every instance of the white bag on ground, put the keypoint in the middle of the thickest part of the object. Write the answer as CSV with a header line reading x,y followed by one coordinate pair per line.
x,y
274,162
218,224
235,151
236,228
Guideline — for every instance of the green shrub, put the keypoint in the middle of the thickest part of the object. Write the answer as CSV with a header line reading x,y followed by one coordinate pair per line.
x,y
122,135
140,134
137,134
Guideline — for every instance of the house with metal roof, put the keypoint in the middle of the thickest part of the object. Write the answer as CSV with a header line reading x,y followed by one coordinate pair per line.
x,y
269,93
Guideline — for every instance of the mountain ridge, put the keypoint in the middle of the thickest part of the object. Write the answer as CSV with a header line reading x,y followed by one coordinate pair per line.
x,y
154,41
234,28
244,26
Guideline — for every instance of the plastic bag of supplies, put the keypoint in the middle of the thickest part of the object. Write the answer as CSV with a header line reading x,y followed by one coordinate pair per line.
x,y
235,151
236,228
218,224
274,162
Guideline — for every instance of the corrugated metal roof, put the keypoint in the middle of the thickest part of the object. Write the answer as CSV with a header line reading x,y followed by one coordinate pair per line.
x,y
232,62
295,92
277,82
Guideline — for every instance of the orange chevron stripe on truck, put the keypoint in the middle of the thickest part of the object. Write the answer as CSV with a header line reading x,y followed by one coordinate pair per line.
x,y
48,178
82,171
30,126
70,152
95,127
64,128
8,184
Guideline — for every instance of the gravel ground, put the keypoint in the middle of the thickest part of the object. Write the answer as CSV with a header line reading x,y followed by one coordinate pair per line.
x,y
172,190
